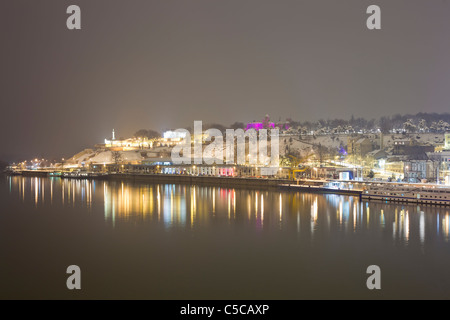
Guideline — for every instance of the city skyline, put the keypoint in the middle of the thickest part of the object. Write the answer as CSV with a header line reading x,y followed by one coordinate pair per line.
x,y
406,124
224,157
155,65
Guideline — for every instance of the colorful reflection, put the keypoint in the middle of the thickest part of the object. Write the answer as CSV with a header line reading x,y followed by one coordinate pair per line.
x,y
313,216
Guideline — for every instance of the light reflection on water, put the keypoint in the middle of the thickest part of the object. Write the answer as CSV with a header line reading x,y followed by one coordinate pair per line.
x,y
168,241
186,206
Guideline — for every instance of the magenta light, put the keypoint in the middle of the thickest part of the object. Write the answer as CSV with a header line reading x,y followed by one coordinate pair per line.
x,y
258,125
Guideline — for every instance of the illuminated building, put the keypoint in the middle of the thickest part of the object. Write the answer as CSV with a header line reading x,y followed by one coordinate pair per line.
x,y
447,141
128,144
265,124
171,138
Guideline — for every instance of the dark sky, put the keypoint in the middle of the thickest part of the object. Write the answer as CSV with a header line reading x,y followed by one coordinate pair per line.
x,y
162,64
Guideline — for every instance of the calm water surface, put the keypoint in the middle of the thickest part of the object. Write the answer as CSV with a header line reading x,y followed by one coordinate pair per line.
x,y
166,241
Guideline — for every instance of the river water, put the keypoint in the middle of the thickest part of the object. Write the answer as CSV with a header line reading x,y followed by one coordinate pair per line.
x,y
169,241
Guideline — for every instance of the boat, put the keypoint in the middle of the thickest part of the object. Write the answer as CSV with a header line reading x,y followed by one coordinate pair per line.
x,y
432,194
34,173
10,172
55,174
324,186
84,175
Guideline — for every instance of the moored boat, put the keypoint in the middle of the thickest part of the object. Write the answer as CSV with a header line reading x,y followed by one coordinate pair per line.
x,y
432,194
84,175
12,172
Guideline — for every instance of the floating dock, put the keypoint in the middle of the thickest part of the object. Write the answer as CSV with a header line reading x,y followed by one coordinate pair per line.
x,y
321,189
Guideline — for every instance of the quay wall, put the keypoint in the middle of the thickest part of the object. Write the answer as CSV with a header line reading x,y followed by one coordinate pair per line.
x,y
230,182
34,173
201,180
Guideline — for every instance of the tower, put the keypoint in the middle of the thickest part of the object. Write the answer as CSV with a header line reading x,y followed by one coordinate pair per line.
x,y
113,135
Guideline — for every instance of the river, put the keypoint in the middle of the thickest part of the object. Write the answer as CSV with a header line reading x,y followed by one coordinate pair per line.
x,y
173,241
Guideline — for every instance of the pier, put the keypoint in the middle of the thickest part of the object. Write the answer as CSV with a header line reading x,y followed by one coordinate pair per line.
x,y
321,189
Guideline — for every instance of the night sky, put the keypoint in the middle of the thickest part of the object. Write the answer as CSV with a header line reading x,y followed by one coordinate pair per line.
x,y
163,64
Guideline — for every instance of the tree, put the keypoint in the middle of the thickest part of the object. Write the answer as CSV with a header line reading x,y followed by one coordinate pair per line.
x,y
302,130
409,126
149,134
152,134
321,152
370,124
441,126
385,124
142,133
116,156
423,125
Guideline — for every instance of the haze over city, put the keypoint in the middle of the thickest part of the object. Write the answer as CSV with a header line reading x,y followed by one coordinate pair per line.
x,y
164,64
334,182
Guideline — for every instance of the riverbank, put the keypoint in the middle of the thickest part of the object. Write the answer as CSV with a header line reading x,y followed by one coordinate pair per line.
x,y
313,186
200,180
305,186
